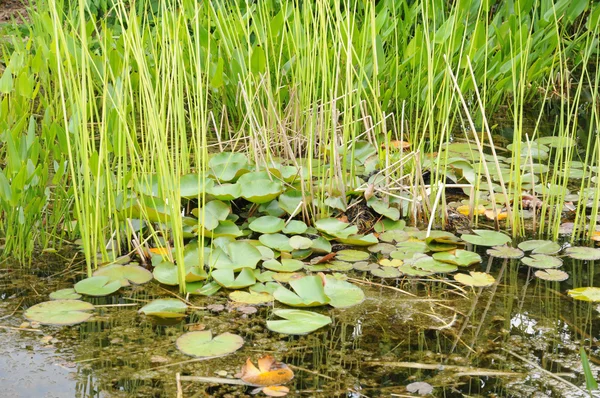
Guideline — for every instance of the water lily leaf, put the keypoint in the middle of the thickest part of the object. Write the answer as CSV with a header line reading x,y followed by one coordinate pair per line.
x,y
554,275
300,242
165,308
542,261
420,388
166,273
297,322
202,344
586,294
193,185
339,266
243,255
342,294
60,312
335,227
125,274
505,252
226,278
301,254
225,228
307,292
384,209
432,265
259,190
540,246
97,286
462,258
557,141
475,279
204,289
226,166
269,372
386,272
277,242
286,277
65,294
365,266
484,237
266,252
359,240
267,225
268,287
388,225
286,265
352,255
252,298
146,207
385,262
266,276
212,213
410,270
394,236
321,245
290,200
295,227
383,248
224,191
583,253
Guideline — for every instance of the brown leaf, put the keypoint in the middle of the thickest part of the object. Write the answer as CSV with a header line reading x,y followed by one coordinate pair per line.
x,y
326,258
269,372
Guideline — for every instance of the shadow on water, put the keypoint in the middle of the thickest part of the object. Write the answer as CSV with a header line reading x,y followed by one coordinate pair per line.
x,y
518,338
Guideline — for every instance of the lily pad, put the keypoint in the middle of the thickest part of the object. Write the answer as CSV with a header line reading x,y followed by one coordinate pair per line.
x,y
202,344
352,255
335,227
97,286
300,242
290,200
409,270
540,246
505,252
259,190
165,308
243,255
586,294
386,272
542,261
204,289
267,225
475,279
166,273
60,312
295,227
383,248
583,253
554,275
65,294
277,242
125,274
484,237
364,266
268,287
226,166
462,258
321,245
252,298
225,191
342,294
227,278
297,322
432,265
385,262
307,292
359,240
384,209
286,265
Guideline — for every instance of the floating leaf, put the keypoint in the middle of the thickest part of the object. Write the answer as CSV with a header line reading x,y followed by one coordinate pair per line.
x,y
226,166
193,185
364,266
204,289
335,227
286,265
268,287
342,294
243,255
432,265
462,258
166,273
165,308
386,272
542,261
276,391
202,344
125,274
586,294
359,240
297,322
352,255
225,191
259,190
484,237
540,246
277,242
252,298
97,286
384,262
409,270
307,292
583,253
321,245
212,213
300,242
554,275
384,209
505,252
65,294
475,279
295,227
267,225
383,248
269,372
226,278
60,312
290,200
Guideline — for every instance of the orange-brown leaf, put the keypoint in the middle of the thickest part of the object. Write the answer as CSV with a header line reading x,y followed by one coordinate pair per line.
x,y
326,258
276,391
269,372
501,216
163,251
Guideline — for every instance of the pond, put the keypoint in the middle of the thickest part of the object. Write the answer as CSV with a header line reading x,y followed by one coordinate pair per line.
x,y
519,337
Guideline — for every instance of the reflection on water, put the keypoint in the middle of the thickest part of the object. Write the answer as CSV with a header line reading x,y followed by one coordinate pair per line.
x,y
503,341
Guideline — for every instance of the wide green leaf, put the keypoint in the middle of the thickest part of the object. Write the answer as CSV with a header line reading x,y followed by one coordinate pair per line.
x,y
227,166
583,253
277,242
125,274
542,261
252,298
227,278
475,279
297,322
60,312
505,251
586,294
307,292
462,258
540,246
554,275
202,344
267,225
169,308
65,294
484,237
286,265
342,294
97,286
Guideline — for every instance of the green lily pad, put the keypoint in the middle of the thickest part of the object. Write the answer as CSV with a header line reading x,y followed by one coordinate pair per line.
x,y
364,266
268,287
339,266
484,237
307,292
410,270
266,252
383,248
542,261
384,209
202,344
226,166
505,252
540,246
166,273
165,308
352,255
97,286
204,289
193,185
226,228
65,294
257,189
266,276
336,228
60,312
300,242
583,253
290,200
462,258
359,240
394,236
301,254
286,265
286,277
252,298
475,279
125,274
321,245
212,214
227,278
342,294
432,265
586,294
389,225
225,191
277,242
554,275
297,322
386,262
295,227
267,225
386,272
243,255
